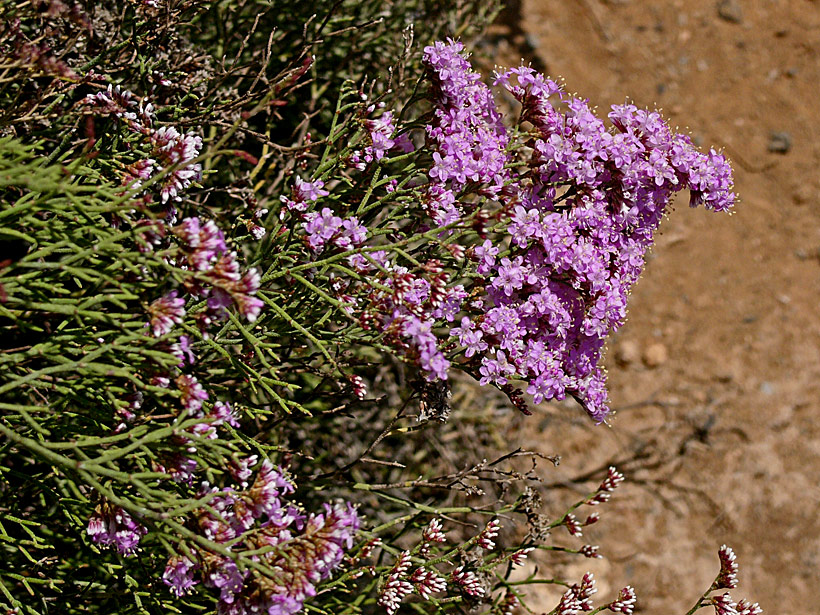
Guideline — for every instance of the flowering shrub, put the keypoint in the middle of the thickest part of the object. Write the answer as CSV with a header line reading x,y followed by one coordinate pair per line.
x,y
233,268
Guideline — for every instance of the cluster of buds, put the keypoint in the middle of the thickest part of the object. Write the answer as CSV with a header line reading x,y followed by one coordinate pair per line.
x,y
748,608
569,604
584,591
575,527
432,534
625,602
519,557
609,484
427,582
510,604
578,599
590,551
727,577
359,386
111,526
488,535
165,312
396,588
724,604
467,580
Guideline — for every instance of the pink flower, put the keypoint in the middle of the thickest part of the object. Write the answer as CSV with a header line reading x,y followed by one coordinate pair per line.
x,y
166,312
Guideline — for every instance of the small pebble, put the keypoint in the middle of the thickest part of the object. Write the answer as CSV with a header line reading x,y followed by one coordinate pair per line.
x,y
801,195
627,353
780,142
730,11
655,355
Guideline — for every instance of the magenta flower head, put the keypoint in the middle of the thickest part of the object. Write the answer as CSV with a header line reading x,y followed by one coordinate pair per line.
x,y
166,312
308,191
203,242
727,577
171,149
270,484
111,526
179,575
193,394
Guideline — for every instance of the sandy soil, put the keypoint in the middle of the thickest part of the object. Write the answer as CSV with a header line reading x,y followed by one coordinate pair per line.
x,y
717,373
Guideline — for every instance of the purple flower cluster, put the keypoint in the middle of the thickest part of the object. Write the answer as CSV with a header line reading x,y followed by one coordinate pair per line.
x,y
579,205
166,312
407,307
202,243
580,217
324,227
468,134
383,138
179,575
204,248
111,526
302,549
303,194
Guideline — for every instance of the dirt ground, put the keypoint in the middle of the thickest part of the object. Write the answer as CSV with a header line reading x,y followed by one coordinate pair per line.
x,y
717,372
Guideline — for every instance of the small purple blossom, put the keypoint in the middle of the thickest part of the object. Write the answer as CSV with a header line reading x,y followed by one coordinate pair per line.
x,y
321,227
112,526
193,393
469,337
308,191
496,370
166,312
182,350
179,575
